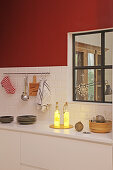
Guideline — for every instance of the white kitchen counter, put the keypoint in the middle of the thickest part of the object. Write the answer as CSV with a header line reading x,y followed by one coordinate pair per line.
x,y
42,128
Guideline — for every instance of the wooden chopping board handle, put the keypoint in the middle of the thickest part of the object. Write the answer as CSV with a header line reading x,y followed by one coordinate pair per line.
x,y
34,79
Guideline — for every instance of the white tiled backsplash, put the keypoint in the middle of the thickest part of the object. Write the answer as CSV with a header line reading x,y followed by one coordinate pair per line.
x,y
11,104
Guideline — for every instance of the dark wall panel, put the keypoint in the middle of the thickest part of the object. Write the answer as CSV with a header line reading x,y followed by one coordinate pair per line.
x,y
34,32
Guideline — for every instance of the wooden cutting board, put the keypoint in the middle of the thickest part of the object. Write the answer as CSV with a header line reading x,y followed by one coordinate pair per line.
x,y
33,87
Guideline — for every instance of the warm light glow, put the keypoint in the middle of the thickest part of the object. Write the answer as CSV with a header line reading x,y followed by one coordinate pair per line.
x,y
57,119
66,131
66,119
57,130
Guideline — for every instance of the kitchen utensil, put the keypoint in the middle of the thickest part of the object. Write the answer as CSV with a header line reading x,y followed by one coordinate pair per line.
x,y
33,87
26,119
79,126
100,118
87,132
100,127
24,95
6,119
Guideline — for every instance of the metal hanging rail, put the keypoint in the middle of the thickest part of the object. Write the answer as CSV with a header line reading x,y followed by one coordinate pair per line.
x,y
28,73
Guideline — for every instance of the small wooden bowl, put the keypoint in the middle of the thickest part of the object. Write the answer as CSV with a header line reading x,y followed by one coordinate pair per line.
x,y
105,127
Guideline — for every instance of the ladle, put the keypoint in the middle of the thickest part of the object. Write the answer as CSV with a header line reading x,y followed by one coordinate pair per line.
x,y
24,95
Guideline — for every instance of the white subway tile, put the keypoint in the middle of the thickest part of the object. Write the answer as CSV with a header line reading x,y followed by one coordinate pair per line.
x,y
58,84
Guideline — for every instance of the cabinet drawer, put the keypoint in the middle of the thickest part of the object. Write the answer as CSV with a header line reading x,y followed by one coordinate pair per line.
x,y
54,153
9,150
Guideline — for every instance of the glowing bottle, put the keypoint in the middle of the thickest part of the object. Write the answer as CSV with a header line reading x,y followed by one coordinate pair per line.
x,y
66,115
57,117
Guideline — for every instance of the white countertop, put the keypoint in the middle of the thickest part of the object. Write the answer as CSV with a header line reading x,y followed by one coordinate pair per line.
x,y
42,128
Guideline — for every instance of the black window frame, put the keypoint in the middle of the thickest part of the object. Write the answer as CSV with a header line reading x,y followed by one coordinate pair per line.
x,y
102,67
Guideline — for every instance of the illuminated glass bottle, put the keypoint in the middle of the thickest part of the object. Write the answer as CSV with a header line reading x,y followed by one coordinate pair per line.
x,y
66,115
57,117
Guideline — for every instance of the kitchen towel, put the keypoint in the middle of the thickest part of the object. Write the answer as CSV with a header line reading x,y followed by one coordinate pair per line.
x,y
6,83
43,96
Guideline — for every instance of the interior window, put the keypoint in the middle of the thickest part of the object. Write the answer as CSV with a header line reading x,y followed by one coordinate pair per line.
x,y
92,66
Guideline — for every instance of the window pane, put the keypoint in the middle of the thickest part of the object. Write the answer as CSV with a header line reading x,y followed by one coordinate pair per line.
x,y
108,48
108,85
88,84
88,50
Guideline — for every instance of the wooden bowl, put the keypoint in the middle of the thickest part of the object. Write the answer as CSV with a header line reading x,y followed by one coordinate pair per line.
x,y
100,127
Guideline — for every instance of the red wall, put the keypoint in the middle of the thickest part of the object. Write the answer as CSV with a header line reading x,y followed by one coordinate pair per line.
x,y
34,32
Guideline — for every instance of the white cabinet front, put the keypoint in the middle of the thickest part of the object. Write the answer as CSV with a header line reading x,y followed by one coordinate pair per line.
x,y
9,150
54,153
